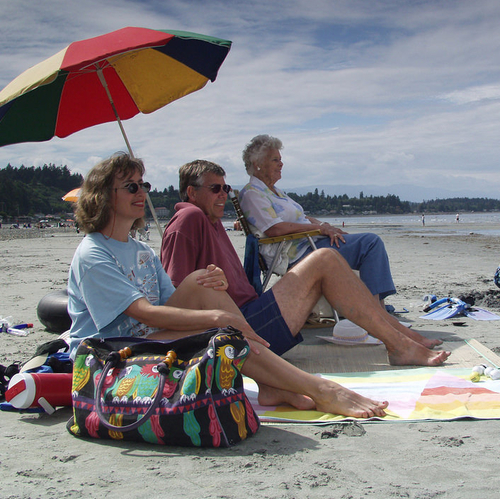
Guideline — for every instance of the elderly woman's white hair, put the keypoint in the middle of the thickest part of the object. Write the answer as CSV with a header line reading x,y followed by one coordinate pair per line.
x,y
256,150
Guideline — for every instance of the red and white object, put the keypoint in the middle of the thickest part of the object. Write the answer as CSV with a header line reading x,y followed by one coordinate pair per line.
x,y
45,390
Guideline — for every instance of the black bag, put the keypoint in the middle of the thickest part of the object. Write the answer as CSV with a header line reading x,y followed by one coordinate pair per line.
x,y
6,374
186,392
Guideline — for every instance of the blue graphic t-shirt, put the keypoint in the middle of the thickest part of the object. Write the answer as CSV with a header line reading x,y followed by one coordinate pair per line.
x,y
106,276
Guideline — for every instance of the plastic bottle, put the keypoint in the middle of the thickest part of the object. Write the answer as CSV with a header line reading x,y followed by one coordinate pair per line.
x,y
5,323
17,330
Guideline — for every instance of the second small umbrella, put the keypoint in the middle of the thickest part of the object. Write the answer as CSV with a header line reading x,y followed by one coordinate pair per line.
x,y
72,196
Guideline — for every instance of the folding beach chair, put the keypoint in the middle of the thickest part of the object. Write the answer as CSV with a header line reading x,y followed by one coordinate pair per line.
x,y
281,245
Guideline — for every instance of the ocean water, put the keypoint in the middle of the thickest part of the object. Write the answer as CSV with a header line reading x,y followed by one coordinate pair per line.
x,y
435,224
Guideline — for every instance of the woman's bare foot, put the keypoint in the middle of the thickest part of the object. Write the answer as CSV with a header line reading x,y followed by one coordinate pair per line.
x,y
412,353
335,399
275,396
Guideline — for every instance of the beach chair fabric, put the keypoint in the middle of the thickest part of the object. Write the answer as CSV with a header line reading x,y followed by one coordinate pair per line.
x,y
277,248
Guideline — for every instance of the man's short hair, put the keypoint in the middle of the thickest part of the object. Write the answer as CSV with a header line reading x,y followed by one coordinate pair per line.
x,y
193,173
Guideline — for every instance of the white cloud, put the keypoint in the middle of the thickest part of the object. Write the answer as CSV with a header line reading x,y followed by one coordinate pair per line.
x,y
474,94
360,92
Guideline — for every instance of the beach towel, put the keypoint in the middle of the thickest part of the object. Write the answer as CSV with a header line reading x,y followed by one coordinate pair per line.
x,y
420,394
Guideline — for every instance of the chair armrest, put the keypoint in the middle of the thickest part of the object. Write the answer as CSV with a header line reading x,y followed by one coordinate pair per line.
x,y
289,237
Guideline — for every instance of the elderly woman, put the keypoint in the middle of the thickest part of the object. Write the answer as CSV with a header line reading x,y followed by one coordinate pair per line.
x,y
272,213
117,287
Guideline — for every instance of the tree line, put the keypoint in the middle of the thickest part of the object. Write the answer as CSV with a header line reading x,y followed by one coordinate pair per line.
x,y
316,203
459,205
28,191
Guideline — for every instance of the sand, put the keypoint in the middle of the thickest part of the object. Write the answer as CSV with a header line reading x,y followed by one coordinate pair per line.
x,y
38,458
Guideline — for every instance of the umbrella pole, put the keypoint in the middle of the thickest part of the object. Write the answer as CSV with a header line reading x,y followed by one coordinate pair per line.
x,y
108,93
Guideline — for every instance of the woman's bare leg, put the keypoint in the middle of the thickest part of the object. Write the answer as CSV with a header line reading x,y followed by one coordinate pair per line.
x,y
223,311
190,294
280,380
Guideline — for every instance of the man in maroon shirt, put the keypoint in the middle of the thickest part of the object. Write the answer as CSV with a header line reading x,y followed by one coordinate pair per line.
x,y
196,238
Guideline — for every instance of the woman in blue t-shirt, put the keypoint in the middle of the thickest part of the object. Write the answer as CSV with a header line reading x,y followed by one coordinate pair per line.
x,y
117,287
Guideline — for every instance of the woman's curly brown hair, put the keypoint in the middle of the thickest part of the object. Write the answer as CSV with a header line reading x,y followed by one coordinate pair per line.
x,y
93,208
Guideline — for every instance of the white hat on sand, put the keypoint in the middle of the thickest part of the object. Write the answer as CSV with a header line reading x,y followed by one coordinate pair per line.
x,y
348,333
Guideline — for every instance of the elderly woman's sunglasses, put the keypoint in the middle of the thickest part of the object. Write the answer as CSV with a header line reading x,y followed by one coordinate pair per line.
x,y
133,187
215,188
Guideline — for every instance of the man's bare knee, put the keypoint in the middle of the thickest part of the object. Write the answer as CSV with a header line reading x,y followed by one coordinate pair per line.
x,y
328,254
320,260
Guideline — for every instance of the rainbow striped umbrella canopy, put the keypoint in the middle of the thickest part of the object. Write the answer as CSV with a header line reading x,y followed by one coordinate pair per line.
x,y
107,78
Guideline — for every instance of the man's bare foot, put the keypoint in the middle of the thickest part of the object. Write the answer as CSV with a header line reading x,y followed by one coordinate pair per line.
x,y
275,396
335,399
430,343
412,353
410,333
426,342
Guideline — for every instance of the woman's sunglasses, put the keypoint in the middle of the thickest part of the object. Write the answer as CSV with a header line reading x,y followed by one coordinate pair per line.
x,y
215,188
133,187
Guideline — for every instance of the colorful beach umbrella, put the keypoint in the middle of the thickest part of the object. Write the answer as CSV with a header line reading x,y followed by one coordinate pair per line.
x,y
107,78
110,77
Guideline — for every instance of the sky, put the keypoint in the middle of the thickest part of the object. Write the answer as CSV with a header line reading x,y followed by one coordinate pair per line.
x,y
379,93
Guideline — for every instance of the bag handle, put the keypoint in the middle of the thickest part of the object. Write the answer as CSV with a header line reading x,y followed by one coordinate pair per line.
x,y
111,361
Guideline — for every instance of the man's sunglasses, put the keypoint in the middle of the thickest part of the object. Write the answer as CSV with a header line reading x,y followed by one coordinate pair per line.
x,y
215,188
133,187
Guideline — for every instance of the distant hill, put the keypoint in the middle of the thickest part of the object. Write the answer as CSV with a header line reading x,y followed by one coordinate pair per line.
x,y
405,192
26,191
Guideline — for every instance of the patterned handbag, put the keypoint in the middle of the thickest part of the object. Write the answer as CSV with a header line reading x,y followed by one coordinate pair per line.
x,y
186,392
